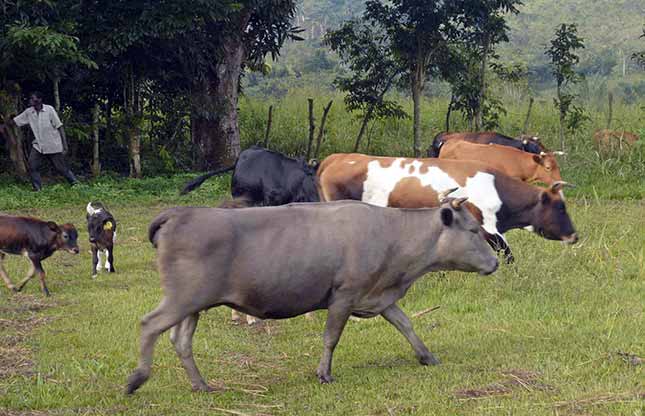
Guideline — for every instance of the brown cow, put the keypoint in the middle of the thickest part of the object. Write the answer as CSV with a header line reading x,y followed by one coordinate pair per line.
x,y
524,142
35,239
527,167
612,139
498,201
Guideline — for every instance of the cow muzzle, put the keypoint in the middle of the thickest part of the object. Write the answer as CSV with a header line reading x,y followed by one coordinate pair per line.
x,y
73,250
491,269
571,239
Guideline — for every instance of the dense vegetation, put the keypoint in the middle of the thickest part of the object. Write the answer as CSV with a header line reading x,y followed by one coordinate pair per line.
x,y
129,86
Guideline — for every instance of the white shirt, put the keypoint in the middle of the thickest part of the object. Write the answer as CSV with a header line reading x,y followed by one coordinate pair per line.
x,y
44,124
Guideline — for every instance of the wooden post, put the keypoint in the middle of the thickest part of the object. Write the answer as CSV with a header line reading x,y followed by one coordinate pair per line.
x,y
312,126
322,128
610,97
452,101
266,134
528,116
96,163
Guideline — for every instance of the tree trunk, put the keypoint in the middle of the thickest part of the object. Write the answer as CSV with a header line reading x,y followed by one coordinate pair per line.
x,y
561,111
96,163
214,125
266,134
56,82
321,130
132,112
610,110
312,126
528,116
14,138
418,78
482,86
450,104
366,119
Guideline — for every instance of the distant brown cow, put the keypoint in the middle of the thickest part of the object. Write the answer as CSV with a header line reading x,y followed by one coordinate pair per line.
x,y
35,239
527,167
612,139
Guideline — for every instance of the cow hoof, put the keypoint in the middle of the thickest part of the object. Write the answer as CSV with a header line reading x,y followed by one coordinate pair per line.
x,y
135,381
94,276
112,270
325,378
510,260
204,388
14,289
429,360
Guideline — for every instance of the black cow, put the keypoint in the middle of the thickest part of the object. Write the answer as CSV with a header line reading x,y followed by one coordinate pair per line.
x,y
35,239
529,144
263,177
101,227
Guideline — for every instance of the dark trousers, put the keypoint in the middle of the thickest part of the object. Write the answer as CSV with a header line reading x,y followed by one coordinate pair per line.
x,y
57,159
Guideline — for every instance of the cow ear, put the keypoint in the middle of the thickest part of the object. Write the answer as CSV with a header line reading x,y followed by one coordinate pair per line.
x,y
545,198
53,226
446,217
108,225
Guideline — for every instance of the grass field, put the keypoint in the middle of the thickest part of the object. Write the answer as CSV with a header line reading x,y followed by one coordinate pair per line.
x,y
559,332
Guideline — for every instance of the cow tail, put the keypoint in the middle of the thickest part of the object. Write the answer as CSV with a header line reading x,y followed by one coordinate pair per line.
x,y
196,183
156,225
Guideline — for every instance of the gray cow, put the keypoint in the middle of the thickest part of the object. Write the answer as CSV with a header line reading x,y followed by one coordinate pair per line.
x,y
348,257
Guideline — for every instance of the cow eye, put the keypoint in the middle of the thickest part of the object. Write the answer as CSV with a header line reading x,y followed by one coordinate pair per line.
x,y
65,236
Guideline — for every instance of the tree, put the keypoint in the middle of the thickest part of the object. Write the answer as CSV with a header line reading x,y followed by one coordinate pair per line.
x,y
639,57
562,51
365,51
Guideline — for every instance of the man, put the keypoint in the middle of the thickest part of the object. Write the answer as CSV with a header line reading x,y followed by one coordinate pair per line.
x,y
50,141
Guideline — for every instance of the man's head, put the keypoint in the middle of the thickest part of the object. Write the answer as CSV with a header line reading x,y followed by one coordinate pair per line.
x,y
36,99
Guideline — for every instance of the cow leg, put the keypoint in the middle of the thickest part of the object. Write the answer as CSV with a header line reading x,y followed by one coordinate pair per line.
x,y
30,274
181,335
95,261
41,275
394,315
109,259
4,274
153,324
337,315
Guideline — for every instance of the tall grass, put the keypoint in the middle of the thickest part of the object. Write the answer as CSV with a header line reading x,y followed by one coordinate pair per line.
x,y
602,175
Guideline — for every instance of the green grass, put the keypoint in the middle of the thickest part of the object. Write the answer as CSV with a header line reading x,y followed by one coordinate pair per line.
x,y
545,331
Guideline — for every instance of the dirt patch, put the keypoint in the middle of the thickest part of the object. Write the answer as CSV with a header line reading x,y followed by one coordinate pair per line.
x,y
631,359
511,380
15,356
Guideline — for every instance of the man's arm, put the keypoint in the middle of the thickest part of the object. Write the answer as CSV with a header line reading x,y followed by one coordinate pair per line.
x,y
21,119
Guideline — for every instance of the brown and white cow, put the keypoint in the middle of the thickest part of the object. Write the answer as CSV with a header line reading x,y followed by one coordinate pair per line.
x,y
35,239
499,202
527,167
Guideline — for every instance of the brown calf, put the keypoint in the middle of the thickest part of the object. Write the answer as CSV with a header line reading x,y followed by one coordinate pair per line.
x,y
612,139
527,167
35,239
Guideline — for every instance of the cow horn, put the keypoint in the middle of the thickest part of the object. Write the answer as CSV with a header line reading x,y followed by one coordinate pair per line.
x,y
559,153
313,162
456,203
557,185
444,194
542,154
525,141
